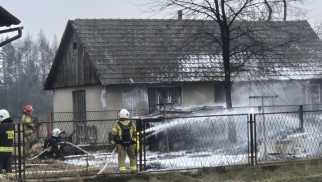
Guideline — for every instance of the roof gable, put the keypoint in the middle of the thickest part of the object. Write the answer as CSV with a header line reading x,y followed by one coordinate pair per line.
x,y
72,66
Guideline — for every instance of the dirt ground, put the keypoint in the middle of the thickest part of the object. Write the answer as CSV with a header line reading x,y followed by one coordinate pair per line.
x,y
306,171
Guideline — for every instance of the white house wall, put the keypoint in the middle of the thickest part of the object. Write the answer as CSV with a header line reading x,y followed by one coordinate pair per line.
x,y
63,99
133,98
288,93
99,98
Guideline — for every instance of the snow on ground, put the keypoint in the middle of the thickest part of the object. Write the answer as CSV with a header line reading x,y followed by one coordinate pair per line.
x,y
187,160
197,159
164,160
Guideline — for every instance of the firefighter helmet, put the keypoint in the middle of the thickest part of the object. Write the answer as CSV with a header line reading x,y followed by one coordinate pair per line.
x,y
124,114
28,109
56,132
4,114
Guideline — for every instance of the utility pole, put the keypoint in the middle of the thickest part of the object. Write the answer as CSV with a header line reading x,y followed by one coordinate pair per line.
x,y
264,127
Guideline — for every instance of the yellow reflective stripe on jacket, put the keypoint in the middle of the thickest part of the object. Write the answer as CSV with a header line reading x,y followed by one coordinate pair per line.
x,y
6,149
133,168
122,168
137,145
28,132
131,133
11,134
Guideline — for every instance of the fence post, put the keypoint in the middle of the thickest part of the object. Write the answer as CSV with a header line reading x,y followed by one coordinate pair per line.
x,y
251,139
139,132
301,118
15,145
144,141
19,152
255,139
166,131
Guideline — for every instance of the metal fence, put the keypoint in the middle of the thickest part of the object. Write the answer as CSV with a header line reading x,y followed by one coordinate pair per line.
x,y
288,136
89,115
97,115
174,143
86,151
195,142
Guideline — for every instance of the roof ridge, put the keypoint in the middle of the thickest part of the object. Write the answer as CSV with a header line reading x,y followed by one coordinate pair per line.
x,y
162,19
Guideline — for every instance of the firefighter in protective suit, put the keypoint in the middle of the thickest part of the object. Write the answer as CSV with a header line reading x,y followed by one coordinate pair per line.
x,y
29,128
7,134
55,146
124,136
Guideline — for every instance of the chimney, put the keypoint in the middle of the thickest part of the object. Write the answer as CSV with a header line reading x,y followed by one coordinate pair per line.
x,y
180,15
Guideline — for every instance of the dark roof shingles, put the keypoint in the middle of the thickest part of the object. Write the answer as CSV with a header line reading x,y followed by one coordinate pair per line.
x,y
153,51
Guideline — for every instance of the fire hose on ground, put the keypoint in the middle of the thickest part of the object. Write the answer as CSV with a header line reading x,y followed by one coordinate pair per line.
x,y
60,143
107,161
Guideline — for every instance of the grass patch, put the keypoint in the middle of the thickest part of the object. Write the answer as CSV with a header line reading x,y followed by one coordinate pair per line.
x,y
286,172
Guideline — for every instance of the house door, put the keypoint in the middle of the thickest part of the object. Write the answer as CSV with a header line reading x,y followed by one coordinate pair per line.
x,y
79,105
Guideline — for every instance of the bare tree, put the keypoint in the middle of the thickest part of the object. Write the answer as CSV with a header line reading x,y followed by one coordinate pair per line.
x,y
318,30
24,65
7,61
234,21
270,10
45,55
287,9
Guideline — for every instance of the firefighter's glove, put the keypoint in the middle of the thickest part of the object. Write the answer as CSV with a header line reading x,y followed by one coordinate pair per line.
x,y
113,143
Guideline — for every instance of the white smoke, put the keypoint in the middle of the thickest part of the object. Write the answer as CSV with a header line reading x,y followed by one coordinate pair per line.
x,y
103,98
135,99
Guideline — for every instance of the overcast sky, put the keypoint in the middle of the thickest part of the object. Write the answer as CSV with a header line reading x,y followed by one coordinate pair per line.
x,y
52,15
